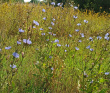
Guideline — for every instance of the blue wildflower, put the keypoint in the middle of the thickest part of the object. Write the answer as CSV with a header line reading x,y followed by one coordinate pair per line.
x,y
13,66
35,22
90,38
18,42
85,21
78,24
16,55
52,23
56,41
42,33
52,3
76,48
91,49
106,73
7,48
88,47
67,45
75,17
82,35
77,30
43,10
80,41
75,7
50,27
58,45
70,35
20,30
99,37
44,18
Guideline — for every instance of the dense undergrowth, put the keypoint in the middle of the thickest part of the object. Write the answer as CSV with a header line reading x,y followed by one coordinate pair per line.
x,y
47,49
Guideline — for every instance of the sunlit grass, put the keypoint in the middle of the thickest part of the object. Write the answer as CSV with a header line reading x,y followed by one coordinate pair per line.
x,y
51,58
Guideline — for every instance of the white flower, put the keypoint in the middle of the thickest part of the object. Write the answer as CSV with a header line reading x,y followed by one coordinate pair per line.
x,y
27,0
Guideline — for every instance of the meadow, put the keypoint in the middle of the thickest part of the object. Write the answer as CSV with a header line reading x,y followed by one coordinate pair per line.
x,y
47,49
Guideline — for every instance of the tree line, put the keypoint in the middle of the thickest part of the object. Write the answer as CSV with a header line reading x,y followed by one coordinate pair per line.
x,y
96,5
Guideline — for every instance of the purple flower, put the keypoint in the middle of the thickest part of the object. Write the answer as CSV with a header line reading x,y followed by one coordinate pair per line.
x,y
44,18
47,39
34,27
18,42
90,38
52,68
106,73
7,48
41,29
106,37
77,30
78,24
0,49
16,55
85,21
53,19
42,33
50,27
91,49
88,47
52,3
43,10
56,41
58,45
75,17
82,34
20,30
27,41
50,33
75,7
54,34
35,22
80,41
76,48
50,56
60,4
99,37
52,23
67,45
70,35
13,66
65,50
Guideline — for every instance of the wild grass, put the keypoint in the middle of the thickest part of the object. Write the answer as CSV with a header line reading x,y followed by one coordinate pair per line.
x,y
44,63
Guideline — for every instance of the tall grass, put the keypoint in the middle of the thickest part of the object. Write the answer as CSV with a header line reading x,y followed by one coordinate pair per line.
x,y
52,59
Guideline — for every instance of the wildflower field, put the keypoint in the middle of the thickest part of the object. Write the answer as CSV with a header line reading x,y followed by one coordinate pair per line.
x,y
47,49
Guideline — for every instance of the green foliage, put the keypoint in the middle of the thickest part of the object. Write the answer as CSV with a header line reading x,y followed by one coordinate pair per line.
x,y
96,5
